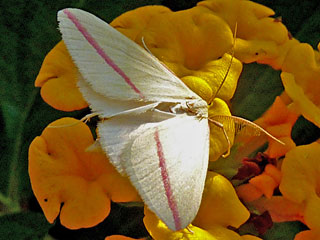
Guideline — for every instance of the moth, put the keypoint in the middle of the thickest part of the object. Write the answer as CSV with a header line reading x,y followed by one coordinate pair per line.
x,y
154,129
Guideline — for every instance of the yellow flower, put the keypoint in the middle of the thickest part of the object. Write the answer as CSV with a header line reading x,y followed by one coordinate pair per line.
x,y
220,208
302,103
70,181
303,63
300,181
252,44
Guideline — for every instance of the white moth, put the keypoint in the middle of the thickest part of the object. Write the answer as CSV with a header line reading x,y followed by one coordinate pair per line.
x,y
155,129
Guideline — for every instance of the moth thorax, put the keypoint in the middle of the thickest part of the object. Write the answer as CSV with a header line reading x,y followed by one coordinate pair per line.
x,y
196,107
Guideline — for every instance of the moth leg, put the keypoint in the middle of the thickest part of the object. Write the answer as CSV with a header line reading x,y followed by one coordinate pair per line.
x,y
220,125
145,46
171,114
190,231
87,117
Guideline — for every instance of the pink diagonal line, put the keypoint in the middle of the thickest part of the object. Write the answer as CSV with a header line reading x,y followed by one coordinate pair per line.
x,y
166,182
100,51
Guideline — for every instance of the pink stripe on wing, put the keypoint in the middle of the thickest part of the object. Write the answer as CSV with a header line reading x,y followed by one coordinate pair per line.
x,y
166,182
100,51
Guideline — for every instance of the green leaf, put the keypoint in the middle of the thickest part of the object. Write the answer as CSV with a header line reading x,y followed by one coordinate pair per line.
x,y
25,225
284,231
257,88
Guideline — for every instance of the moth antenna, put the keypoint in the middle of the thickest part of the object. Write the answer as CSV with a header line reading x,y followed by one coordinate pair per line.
x,y
238,124
230,64
85,119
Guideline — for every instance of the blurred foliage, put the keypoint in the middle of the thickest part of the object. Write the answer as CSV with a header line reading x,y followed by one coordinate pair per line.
x,y
28,30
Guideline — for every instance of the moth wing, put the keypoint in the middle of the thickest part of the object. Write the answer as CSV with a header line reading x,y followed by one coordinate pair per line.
x,y
108,107
167,163
115,66
115,134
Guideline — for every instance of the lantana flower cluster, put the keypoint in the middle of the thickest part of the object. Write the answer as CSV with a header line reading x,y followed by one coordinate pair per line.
x,y
196,44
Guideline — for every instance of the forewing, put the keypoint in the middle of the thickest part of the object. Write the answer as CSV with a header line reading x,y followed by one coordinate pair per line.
x,y
113,65
167,162
108,107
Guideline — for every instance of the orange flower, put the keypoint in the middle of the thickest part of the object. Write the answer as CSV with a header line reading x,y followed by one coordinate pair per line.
x,y
263,184
280,208
67,179
220,208
57,79
299,186
278,120
308,235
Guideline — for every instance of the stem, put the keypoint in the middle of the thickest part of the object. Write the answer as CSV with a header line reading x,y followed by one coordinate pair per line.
x,y
4,200
13,185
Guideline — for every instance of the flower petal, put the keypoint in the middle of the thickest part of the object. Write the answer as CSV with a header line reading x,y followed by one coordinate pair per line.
x,y
278,120
58,80
215,71
264,183
218,142
281,209
248,192
68,179
252,44
220,204
158,230
300,173
184,40
250,237
308,235
300,181
304,105
302,62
